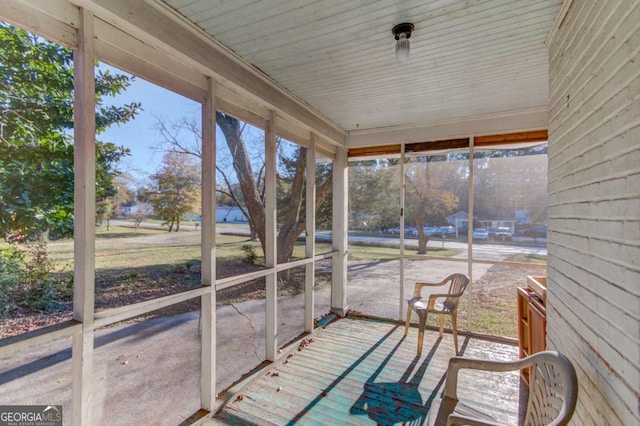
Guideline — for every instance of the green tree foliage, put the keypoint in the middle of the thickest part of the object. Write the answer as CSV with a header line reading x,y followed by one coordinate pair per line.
x,y
29,281
511,180
36,137
374,194
104,211
177,188
428,195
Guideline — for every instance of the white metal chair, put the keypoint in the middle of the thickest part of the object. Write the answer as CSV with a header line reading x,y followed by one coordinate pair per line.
x,y
553,391
440,303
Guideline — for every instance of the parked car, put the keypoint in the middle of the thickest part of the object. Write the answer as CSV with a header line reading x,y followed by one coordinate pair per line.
x,y
430,230
502,233
446,231
480,234
537,231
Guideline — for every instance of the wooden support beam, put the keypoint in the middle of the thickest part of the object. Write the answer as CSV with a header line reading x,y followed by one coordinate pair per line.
x,y
84,221
241,114
122,313
436,145
310,238
472,144
208,250
403,179
39,337
340,229
374,151
522,137
120,50
271,321
29,17
460,143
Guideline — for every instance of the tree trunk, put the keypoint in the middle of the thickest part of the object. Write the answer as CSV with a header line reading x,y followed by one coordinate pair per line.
x,y
232,131
423,239
294,221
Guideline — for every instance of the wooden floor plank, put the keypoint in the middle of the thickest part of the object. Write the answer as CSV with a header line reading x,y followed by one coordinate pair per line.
x,y
357,371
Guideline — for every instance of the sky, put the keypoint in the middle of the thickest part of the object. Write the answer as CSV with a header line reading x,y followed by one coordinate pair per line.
x,y
140,135
142,138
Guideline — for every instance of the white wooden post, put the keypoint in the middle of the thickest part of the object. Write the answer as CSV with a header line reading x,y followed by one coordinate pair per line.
x,y
402,194
470,234
340,237
310,238
84,124
271,328
208,251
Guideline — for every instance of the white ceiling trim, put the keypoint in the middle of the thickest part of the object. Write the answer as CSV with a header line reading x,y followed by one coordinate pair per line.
x,y
490,124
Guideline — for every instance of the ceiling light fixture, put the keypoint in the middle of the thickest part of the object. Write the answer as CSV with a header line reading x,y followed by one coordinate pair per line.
x,y
402,33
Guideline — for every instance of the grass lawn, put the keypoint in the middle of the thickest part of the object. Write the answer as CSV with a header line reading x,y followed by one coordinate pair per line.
x,y
494,300
135,265
530,258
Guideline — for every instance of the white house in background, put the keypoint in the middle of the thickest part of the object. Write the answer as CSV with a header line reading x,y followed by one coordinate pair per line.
x,y
131,209
458,219
523,216
230,214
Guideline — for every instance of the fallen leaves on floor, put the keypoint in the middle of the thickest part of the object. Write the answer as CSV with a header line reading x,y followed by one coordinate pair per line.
x,y
305,343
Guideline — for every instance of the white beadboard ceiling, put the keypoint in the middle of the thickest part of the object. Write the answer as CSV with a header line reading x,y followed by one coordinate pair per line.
x,y
468,58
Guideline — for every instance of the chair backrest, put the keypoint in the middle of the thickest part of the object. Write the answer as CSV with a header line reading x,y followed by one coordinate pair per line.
x,y
553,390
458,284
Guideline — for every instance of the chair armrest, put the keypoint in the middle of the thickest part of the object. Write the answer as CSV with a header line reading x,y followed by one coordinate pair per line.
x,y
457,362
434,297
421,284
417,292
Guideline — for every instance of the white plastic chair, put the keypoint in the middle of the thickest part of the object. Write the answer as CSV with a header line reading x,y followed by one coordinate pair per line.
x,y
553,391
440,303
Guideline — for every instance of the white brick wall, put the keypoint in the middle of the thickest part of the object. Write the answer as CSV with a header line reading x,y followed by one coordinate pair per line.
x,y
594,206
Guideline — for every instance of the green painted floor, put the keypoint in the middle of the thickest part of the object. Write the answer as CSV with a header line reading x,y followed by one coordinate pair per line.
x,y
359,371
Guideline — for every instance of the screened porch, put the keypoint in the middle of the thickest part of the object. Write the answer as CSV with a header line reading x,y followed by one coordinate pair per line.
x,y
355,176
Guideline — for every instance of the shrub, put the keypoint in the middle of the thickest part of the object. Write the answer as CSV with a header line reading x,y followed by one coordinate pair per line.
x,y
29,282
250,255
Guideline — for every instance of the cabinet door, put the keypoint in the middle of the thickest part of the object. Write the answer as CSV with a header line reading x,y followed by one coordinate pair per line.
x,y
523,322
537,327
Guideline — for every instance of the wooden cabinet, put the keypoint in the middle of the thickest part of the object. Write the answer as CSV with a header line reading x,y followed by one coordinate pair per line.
x,y
537,325
532,321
